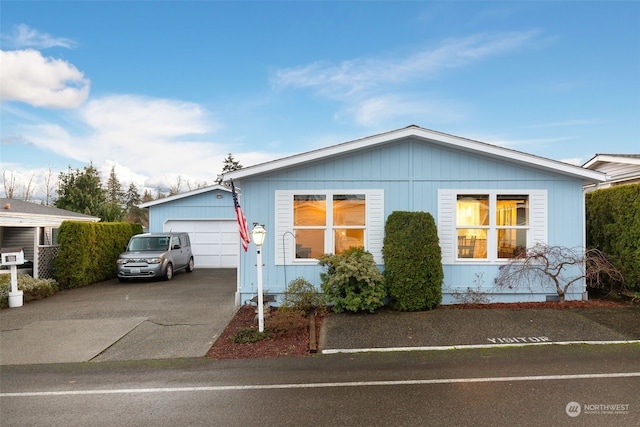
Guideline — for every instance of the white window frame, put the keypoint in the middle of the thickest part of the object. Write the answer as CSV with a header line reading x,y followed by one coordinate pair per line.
x,y
285,241
447,223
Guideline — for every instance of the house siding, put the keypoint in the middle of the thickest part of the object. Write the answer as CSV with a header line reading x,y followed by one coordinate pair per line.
x,y
199,206
410,172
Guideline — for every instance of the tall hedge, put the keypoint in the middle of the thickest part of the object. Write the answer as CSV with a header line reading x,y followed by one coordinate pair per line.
x,y
613,226
412,261
88,251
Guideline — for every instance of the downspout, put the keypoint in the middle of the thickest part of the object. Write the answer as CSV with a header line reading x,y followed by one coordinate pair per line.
x,y
36,253
585,294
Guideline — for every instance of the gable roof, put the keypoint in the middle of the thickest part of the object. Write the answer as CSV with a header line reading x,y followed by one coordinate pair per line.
x,y
627,159
619,168
14,212
186,194
432,137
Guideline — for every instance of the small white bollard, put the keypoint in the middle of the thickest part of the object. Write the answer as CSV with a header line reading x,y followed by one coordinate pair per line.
x,y
16,299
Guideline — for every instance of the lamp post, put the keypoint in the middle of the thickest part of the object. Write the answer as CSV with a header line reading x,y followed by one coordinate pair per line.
x,y
258,234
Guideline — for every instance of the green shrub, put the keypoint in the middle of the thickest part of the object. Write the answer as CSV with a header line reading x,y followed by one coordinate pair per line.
x,y
412,261
303,296
613,226
249,335
34,289
352,281
88,251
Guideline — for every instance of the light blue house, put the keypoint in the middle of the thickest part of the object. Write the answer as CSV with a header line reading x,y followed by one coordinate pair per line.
x,y
207,214
489,203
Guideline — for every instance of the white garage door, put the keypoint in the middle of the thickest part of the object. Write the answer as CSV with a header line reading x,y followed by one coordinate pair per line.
x,y
214,243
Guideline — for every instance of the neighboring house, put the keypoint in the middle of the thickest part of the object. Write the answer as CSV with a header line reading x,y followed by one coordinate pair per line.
x,y
34,228
620,169
489,203
208,215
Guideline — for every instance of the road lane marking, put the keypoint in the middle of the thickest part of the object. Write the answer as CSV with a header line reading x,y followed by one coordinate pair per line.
x,y
321,385
467,346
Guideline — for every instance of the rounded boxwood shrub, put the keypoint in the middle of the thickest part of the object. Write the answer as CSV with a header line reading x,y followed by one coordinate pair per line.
x,y
412,261
352,281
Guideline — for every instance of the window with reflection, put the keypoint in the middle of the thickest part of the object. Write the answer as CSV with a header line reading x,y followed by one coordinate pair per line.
x,y
328,223
309,222
491,226
472,223
512,221
348,221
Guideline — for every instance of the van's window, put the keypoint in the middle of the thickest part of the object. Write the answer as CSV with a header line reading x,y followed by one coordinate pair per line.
x,y
153,243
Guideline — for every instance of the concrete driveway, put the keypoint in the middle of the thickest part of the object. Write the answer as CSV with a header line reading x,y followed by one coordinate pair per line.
x,y
121,321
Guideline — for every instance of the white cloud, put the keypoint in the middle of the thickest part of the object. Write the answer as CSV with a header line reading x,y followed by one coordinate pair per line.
x,y
150,141
562,124
24,36
139,117
375,111
350,77
377,90
29,77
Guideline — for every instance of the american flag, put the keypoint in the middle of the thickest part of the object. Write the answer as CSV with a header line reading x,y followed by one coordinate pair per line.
x,y
242,220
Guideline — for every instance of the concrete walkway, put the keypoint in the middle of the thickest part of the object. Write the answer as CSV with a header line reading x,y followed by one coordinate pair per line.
x,y
121,321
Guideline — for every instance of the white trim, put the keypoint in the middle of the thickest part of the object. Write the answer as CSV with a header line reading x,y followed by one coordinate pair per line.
x,y
611,158
186,194
430,136
284,241
447,234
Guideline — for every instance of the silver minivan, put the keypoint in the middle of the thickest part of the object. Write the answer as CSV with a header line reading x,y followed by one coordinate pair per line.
x,y
156,255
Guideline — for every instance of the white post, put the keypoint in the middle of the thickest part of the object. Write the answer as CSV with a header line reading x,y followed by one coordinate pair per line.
x,y
15,296
260,295
258,234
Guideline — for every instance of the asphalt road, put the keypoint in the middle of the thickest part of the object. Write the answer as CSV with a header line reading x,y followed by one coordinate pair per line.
x,y
529,386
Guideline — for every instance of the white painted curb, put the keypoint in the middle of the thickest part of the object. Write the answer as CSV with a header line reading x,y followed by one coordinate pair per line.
x,y
468,346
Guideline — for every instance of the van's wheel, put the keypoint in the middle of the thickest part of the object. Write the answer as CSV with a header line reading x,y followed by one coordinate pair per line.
x,y
190,265
169,274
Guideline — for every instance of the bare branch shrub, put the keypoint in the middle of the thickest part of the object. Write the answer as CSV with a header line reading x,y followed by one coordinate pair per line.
x,y
559,265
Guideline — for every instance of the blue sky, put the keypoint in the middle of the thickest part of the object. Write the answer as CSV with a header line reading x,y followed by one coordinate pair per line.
x,y
162,90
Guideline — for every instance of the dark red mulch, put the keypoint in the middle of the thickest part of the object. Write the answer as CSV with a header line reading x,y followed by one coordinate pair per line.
x,y
296,345
554,305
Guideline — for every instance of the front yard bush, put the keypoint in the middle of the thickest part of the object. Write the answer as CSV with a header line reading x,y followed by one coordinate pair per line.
x,y
352,281
613,226
34,289
303,296
412,261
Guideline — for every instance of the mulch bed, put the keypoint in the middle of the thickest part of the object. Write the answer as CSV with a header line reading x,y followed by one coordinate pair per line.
x,y
296,345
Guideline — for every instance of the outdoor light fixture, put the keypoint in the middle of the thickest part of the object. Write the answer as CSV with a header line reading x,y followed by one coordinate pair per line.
x,y
258,234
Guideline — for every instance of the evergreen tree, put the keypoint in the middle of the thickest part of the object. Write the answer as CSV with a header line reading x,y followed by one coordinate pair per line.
x,y
113,209
114,188
135,214
230,164
81,191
